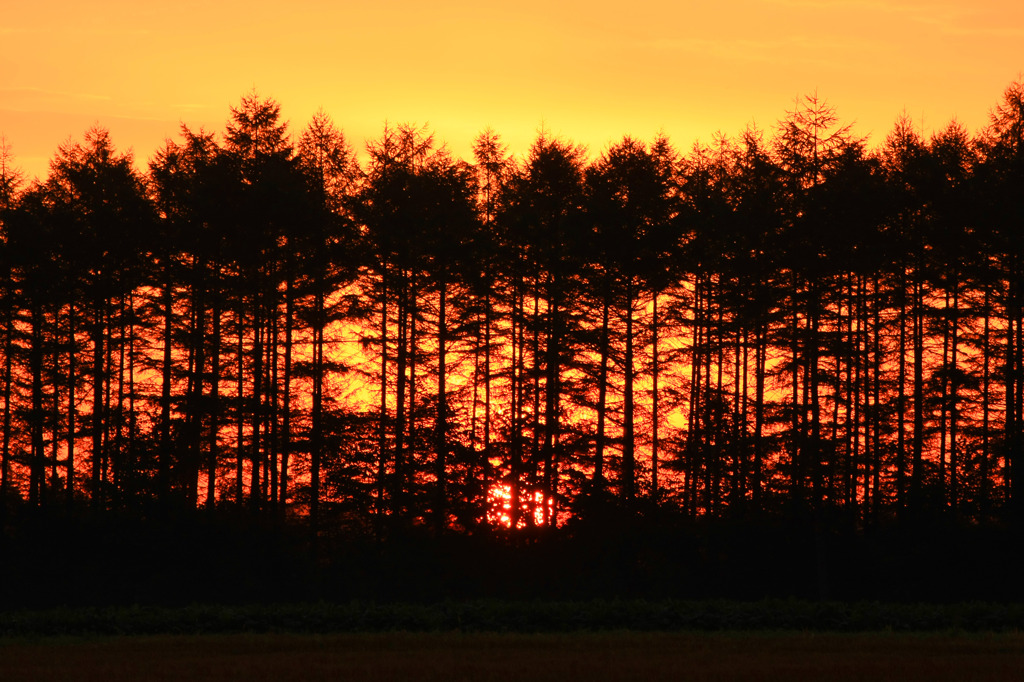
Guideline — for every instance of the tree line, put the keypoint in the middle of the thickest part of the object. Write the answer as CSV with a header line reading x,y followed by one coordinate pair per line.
x,y
781,321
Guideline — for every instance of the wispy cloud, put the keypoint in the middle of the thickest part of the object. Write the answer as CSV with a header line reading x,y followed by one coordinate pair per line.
x,y
64,30
43,93
794,48
925,8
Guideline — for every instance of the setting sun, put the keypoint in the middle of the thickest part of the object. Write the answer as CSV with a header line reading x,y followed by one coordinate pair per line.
x,y
531,507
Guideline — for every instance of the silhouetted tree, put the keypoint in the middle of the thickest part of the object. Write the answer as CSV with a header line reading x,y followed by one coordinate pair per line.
x,y
493,168
548,229
1002,176
268,193
102,220
11,179
632,207
810,145
327,246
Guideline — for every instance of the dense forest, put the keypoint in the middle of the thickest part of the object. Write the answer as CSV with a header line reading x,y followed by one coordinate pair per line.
x,y
791,323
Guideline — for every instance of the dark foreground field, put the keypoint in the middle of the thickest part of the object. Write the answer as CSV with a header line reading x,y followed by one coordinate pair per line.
x,y
447,657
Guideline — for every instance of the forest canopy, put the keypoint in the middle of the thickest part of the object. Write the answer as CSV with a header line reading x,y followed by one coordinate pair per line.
x,y
785,321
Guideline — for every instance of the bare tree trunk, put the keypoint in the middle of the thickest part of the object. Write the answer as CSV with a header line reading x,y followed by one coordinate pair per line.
x,y
602,397
986,354
5,465
693,438
901,399
628,434
487,392
164,462
954,401
130,448
213,444
240,414
760,362
72,407
876,415
655,367
408,478
441,422
382,433
97,402
918,439
397,485
256,446
316,427
37,470
944,400
552,390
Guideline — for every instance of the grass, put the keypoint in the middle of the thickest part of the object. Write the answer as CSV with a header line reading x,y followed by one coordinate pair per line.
x,y
514,616
455,657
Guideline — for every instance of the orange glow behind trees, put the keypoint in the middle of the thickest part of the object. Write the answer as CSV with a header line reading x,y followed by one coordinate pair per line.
x,y
414,338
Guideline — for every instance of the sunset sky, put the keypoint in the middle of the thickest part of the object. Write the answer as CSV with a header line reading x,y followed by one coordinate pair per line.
x,y
588,71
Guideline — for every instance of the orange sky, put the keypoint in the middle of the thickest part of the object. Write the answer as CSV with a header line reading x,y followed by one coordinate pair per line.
x,y
588,70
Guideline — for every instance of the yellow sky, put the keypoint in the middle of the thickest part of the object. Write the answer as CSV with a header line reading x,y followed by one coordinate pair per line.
x,y
590,71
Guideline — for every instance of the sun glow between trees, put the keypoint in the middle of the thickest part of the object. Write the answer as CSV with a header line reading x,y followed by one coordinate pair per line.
x,y
500,507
